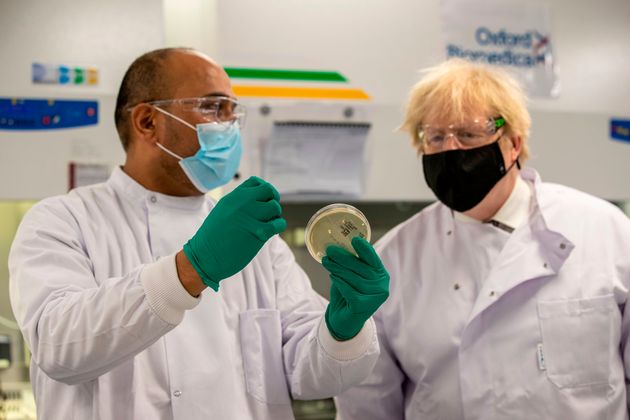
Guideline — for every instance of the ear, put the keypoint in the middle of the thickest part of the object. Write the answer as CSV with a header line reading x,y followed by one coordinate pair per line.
x,y
517,144
143,123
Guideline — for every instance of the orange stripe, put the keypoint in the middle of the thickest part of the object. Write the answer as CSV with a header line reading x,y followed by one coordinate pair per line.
x,y
300,92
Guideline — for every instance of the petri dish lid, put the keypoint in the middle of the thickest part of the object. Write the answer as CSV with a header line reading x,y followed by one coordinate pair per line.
x,y
335,224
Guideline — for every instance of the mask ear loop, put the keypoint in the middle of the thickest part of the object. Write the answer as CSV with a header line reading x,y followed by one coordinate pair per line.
x,y
181,121
516,162
175,155
175,117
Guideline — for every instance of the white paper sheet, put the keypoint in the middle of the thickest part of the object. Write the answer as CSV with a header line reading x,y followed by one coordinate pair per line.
x,y
316,157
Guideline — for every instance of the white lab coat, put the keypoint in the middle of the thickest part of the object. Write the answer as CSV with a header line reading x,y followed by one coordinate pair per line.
x,y
114,335
545,336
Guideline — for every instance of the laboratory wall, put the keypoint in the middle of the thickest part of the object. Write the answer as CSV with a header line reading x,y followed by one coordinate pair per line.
x,y
380,46
106,35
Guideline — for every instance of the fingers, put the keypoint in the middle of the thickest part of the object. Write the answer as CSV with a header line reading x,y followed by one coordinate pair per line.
x,y
252,181
366,252
340,259
261,190
351,268
265,230
264,210
279,225
258,201
344,289
276,194
358,301
335,251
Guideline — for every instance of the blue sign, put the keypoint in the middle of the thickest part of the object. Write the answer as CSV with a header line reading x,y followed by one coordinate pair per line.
x,y
620,130
46,114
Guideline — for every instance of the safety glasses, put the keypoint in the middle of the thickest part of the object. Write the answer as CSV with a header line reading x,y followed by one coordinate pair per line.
x,y
210,108
469,134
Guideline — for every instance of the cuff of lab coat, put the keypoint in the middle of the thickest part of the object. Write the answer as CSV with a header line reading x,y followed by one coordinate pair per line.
x,y
166,295
349,349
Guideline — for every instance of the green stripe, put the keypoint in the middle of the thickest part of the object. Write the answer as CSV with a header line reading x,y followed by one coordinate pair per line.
x,y
313,76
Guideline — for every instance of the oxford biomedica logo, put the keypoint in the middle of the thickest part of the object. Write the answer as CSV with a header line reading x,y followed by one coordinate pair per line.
x,y
502,47
515,36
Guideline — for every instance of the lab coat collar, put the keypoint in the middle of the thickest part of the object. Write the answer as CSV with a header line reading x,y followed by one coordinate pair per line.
x,y
136,193
556,246
515,210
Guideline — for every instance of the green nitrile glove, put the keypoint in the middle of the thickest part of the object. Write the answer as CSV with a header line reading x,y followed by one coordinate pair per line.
x,y
235,230
359,286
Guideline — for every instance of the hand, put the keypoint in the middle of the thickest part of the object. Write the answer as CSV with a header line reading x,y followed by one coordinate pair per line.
x,y
235,230
359,286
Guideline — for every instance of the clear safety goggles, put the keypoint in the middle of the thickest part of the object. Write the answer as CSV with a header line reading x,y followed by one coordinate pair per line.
x,y
221,109
469,134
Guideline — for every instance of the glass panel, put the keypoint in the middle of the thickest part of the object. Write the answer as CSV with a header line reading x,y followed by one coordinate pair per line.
x,y
11,214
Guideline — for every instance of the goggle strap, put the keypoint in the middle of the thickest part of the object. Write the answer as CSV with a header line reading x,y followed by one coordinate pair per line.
x,y
499,122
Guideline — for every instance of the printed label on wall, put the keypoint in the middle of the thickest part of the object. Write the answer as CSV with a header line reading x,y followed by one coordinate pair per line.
x,y
63,75
514,36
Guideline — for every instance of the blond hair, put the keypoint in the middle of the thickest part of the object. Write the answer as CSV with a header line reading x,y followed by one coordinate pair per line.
x,y
457,86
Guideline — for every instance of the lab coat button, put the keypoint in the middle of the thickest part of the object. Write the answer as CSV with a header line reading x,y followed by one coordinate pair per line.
x,y
153,199
492,293
177,393
563,245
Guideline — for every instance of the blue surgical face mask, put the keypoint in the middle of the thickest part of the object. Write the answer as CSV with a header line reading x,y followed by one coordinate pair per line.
x,y
219,155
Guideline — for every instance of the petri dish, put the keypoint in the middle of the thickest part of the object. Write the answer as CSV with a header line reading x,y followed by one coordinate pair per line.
x,y
335,224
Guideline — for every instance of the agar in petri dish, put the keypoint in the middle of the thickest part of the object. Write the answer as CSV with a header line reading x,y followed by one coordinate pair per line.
x,y
335,224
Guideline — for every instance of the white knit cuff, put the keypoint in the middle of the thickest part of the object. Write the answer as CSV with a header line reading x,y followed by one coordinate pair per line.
x,y
166,295
351,349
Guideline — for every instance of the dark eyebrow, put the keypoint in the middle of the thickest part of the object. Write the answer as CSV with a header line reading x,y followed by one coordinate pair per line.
x,y
216,94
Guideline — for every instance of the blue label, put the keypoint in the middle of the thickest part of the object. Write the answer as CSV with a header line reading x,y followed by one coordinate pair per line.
x,y
46,114
620,130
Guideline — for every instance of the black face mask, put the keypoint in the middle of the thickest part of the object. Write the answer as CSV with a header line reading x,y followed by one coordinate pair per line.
x,y
461,178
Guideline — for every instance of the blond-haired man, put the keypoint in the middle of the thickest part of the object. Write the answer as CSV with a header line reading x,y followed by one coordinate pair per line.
x,y
507,296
